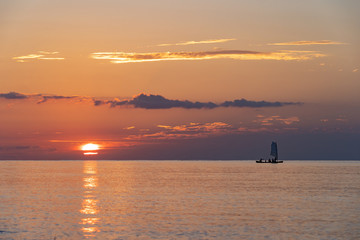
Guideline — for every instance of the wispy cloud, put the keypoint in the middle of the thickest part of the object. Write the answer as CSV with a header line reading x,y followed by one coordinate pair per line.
x,y
269,121
198,42
40,55
341,118
186,131
298,43
192,130
198,127
122,57
211,129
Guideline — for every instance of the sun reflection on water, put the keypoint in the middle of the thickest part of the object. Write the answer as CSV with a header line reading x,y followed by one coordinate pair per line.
x,y
90,182
88,230
89,204
91,221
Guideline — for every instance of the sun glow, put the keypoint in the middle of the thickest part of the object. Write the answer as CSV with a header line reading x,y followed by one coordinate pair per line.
x,y
90,148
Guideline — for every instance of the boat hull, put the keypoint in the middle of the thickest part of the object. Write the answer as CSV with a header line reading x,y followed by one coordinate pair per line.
x,y
259,161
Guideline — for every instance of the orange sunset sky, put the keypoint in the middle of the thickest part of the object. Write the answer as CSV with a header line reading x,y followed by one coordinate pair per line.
x,y
167,79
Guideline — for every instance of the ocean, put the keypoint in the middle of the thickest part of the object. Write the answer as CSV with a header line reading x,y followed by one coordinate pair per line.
x,y
179,200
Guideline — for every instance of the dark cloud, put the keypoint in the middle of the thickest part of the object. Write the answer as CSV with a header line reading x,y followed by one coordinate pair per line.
x,y
159,102
13,95
99,102
254,104
56,97
43,97
156,102
150,101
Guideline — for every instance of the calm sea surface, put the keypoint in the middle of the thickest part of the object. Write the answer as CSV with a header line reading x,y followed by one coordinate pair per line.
x,y
179,200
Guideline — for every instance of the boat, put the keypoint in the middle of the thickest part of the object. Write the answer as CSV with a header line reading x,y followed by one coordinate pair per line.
x,y
273,153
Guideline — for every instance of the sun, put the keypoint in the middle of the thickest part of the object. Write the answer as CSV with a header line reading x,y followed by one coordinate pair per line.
x,y
90,148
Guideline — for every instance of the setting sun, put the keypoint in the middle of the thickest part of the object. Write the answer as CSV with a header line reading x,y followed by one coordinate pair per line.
x,y
90,147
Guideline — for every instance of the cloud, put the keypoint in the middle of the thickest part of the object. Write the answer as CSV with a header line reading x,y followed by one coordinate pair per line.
x,y
186,131
159,102
45,98
198,42
122,57
211,129
255,104
45,52
341,119
40,97
40,55
269,121
198,127
13,95
149,101
255,129
299,43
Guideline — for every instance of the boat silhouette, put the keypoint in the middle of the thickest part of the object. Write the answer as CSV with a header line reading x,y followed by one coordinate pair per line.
x,y
273,153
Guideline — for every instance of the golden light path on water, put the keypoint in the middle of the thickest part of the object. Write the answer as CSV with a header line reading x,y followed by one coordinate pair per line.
x,y
89,207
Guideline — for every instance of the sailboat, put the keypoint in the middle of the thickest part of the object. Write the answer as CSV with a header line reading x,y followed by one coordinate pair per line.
x,y
273,153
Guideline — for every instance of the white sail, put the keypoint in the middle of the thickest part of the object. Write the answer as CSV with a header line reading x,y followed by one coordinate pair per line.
x,y
274,151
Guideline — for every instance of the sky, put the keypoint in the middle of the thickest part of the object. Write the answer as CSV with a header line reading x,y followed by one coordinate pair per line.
x,y
177,80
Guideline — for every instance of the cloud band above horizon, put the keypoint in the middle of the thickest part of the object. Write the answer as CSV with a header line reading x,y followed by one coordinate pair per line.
x,y
159,102
149,101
